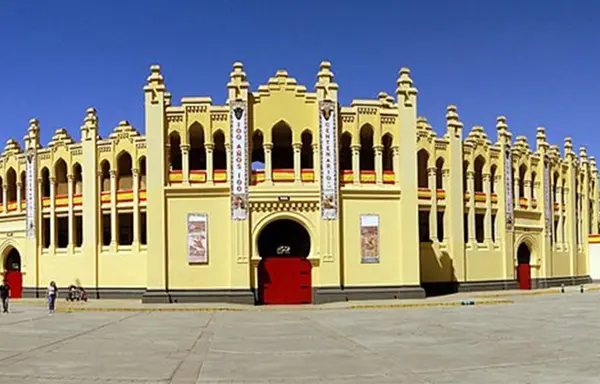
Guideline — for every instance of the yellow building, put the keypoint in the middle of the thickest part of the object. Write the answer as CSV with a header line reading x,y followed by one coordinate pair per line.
x,y
284,196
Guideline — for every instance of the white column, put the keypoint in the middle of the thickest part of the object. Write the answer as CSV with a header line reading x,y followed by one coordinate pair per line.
x,y
185,163
316,164
356,162
487,180
209,147
268,165
19,197
71,220
433,212
228,161
297,162
378,163
113,211
396,164
136,209
52,214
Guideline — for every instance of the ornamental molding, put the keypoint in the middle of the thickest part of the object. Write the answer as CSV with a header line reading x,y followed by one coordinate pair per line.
x,y
287,206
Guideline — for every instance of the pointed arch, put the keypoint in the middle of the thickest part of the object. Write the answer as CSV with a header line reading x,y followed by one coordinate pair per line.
x,y
23,179
258,151
306,155
175,151
105,176
522,174
77,179
439,173
367,154
479,164
345,152
124,171
387,158
219,153
283,153
533,190
142,172
464,178
45,182
60,175
11,185
493,171
197,155
422,160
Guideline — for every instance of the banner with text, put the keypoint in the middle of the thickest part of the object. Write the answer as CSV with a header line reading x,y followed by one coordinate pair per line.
x,y
239,161
547,200
329,168
30,183
508,185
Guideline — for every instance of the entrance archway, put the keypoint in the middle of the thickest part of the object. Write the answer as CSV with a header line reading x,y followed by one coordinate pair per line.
x,y
523,266
12,273
284,273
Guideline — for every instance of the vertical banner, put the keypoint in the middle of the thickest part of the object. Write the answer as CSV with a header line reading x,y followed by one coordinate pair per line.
x,y
508,185
547,200
369,239
239,161
197,238
329,168
30,183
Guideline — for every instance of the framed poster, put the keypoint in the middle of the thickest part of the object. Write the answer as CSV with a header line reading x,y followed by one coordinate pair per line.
x,y
369,238
239,161
197,238
329,168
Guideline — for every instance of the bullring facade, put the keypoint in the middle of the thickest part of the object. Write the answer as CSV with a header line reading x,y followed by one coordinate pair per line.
x,y
284,196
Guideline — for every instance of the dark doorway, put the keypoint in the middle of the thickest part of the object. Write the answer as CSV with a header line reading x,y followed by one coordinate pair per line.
x,y
284,273
12,273
523,266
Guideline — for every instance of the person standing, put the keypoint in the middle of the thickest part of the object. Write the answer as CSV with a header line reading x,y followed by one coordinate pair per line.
x,y
4,295
52,292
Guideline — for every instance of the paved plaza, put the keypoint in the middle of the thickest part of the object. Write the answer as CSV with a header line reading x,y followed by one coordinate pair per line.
x,y
537,339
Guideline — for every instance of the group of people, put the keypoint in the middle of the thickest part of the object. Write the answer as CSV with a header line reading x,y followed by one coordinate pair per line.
x,y
51,293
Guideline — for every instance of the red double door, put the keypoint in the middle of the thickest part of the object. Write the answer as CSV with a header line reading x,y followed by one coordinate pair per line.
x,y
284,280
524,276
14,279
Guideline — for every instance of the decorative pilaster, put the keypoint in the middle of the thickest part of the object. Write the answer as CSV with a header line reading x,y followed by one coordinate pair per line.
x,y
471,189
527,192
268,147
185,163
433,224
396,164
355,162
209,147
297,162
228,160
316,168
4,198
378,149
52,214
516,194
71,230
113,211
136,209
487,180
19,196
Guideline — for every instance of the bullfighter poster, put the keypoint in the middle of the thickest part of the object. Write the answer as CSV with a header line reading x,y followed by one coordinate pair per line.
x,y
369,238
197,238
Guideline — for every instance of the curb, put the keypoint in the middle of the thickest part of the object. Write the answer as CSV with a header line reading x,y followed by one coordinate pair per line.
x,y
255,309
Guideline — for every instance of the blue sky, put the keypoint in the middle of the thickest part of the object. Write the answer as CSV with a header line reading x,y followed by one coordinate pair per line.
x,y
535,62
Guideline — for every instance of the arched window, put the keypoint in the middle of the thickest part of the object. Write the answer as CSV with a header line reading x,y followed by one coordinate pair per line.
x,y
465,170
23,186
60,172
439,177
367,155
124,174
522,172
422,159
105,176
282,154
554,187
11,183
345,152
45,182
219,154
533,176
493,171
197,151
258,151
142,172
77,179
479,162
387,159
175,148
306,157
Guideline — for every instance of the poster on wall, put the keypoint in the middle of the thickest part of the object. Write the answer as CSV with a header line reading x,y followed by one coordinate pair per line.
x,y
547,201
369,239
328,154
239,161
30,184
508,189
197,238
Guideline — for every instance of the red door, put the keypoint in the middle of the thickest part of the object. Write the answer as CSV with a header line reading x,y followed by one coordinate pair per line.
x,y
14,279
284,280
524,276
